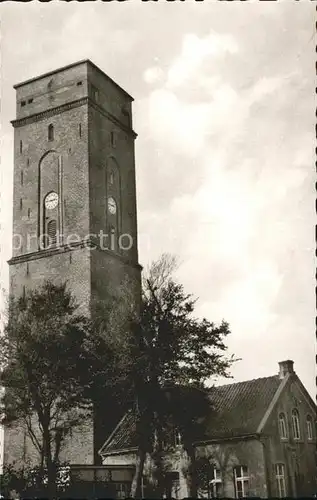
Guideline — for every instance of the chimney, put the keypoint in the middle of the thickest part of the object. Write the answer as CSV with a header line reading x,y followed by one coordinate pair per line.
x,y
286,367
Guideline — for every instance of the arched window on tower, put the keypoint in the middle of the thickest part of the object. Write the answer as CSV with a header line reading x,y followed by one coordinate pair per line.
x,y
111,177
113,245
52,231
51,132
295,423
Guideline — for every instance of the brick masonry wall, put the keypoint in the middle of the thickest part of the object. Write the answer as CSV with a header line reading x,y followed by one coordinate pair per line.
x,y
227,455
52,90
292,453
83,149
73,151
119,158
20,450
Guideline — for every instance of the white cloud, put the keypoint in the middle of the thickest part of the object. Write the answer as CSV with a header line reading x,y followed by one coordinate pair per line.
x,y
194,51
153,74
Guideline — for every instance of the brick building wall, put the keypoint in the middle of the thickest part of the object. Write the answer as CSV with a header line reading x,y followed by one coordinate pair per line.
x,y
244,452
297,455
91,138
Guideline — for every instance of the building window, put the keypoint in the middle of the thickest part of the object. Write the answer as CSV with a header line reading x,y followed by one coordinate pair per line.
x,y
215,484
94,93
28,162
30,100
295,423
51,231
21,146
282,426
113,138
79,130
122,490
21,203
280,480
50,132
21,177
23,103
29,212
79,83
111,178
309,426
241,481
112,238
177,438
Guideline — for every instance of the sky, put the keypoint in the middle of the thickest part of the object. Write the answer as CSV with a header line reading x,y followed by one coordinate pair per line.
x,y
225,113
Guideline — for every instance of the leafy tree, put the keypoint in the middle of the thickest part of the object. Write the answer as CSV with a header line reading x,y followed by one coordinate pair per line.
x,y
176,349
56,364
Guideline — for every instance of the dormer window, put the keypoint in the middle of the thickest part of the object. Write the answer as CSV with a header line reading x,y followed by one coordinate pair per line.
x,y
50,132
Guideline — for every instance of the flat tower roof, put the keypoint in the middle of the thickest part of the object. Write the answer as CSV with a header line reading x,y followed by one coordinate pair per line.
x,y
87,61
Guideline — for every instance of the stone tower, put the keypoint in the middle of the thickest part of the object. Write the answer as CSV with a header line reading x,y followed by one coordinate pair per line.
x,y
74,203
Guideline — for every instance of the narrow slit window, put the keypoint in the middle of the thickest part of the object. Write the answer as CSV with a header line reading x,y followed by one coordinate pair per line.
x,y
296,425
29,212
27,269
21,203
309,424
94,93
21,146
28,162
52,231
113,138
79,130
50,132
21,177
111,178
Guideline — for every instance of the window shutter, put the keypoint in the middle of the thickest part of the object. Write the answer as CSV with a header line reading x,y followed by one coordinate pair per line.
x,y
51,230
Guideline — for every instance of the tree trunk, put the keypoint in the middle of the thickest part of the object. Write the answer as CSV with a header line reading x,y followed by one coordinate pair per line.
x,y
137,478
51,483
158,459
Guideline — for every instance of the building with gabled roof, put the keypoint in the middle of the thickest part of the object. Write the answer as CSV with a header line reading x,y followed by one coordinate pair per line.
x,y
260,440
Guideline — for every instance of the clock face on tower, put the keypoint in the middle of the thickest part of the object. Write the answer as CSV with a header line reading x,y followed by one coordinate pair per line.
x,y
112,206
51,200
